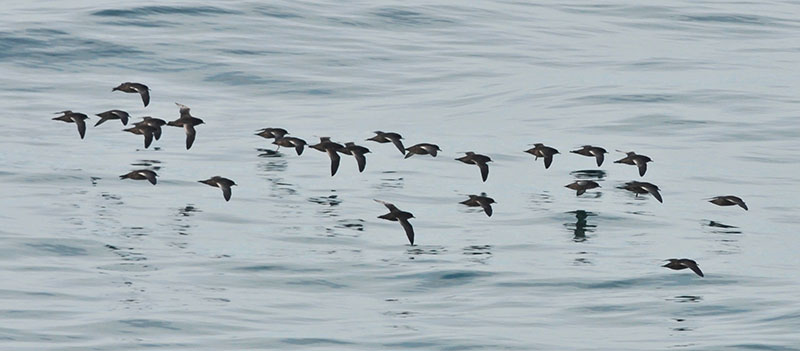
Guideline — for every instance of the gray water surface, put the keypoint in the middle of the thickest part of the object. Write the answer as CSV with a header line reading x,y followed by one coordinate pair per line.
x,y
299,260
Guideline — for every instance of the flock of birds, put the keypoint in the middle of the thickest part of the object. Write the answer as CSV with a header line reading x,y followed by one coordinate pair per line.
x,y
150,128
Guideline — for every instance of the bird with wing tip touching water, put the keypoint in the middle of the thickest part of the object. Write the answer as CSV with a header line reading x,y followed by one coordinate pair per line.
x,y
350,148
141,174
479,160
580,186
220,182
546,152
74,117
728,200
683,263
481,200
643,188
297,143
188,122
592,151
332,149
389,137
130,87
398,215
633,158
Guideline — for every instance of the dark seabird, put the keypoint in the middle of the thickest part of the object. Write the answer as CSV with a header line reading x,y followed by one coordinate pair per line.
x,y
140,175
223,183
145,130
74,117
592,151
683,263
582,185
297,143
728,200
358,152
540,150
326,145
396,214
155,123
423,149
634,159
142,89
394,138
643,188
272,133
477,159
480,200
113,114
187,122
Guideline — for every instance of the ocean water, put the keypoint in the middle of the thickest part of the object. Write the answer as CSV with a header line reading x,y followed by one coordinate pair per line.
x,y
299,260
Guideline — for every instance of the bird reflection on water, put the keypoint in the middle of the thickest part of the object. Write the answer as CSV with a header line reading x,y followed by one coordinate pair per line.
x,y
581,226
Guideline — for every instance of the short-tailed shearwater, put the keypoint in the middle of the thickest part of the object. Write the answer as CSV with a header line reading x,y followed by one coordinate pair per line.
x,y
633,158
580,186
220,182
147,131
141,175
397,215
188,122
643,188
728,200
350,148
423,149
272,133
297,143
387,137
480,200
592,151
540,150
477,159
142,89
113,114
156,123
326,145
74,117
683,263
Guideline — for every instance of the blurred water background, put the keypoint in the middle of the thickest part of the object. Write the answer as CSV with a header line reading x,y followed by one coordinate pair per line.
x,y
298,260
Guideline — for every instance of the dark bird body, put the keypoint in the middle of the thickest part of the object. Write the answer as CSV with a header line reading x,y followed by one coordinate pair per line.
x,y
540,150
155,123
139,88
728,200
643,188
480,200
358,152
580,186
326,145
397,215
145,130
74,117
477,159
272,133
188,123
423,149
683,263
592,151
220,182
113,114
141,174
389,137
297,143
639,161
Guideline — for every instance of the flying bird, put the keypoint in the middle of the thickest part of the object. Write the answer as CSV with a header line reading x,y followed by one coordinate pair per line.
x,y
635,159
643,188
297,143
540,150
188,122
683,263
582,185
112,114
592,151
155,123
326,145
129,87
220,182
74,117
480,200
272,133
423,149
477,159
358,152
387,137
728,200
141,175
397,215
147,131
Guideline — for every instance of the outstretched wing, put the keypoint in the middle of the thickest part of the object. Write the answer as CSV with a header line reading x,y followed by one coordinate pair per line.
x,y
190,134
81,126
226,190
398,143
151,176
487,207
484,169
335,158
361,159
408,228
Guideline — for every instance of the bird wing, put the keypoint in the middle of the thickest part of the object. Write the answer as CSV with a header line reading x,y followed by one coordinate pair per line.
x,y
548,160
148,137
484,169
100,121
81,125
642,166
580,190
157,132
390,206
487,207
190,134
739,202
408,228
145,93
430,149
226,190
653,191
599,156
361,159
398,143
335,158
151,176
123,117
693,266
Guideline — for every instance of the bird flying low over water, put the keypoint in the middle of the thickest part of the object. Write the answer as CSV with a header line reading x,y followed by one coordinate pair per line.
x,y
480,200
683,263
147,131
141,175
188,122
358,152
155,123
423,149
326,145
397,215
112,114
582,185
592,151
74,117
540,150
297,143
643,188
220,182
477,159
634,159
728,200
129,87
387,137
272,133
